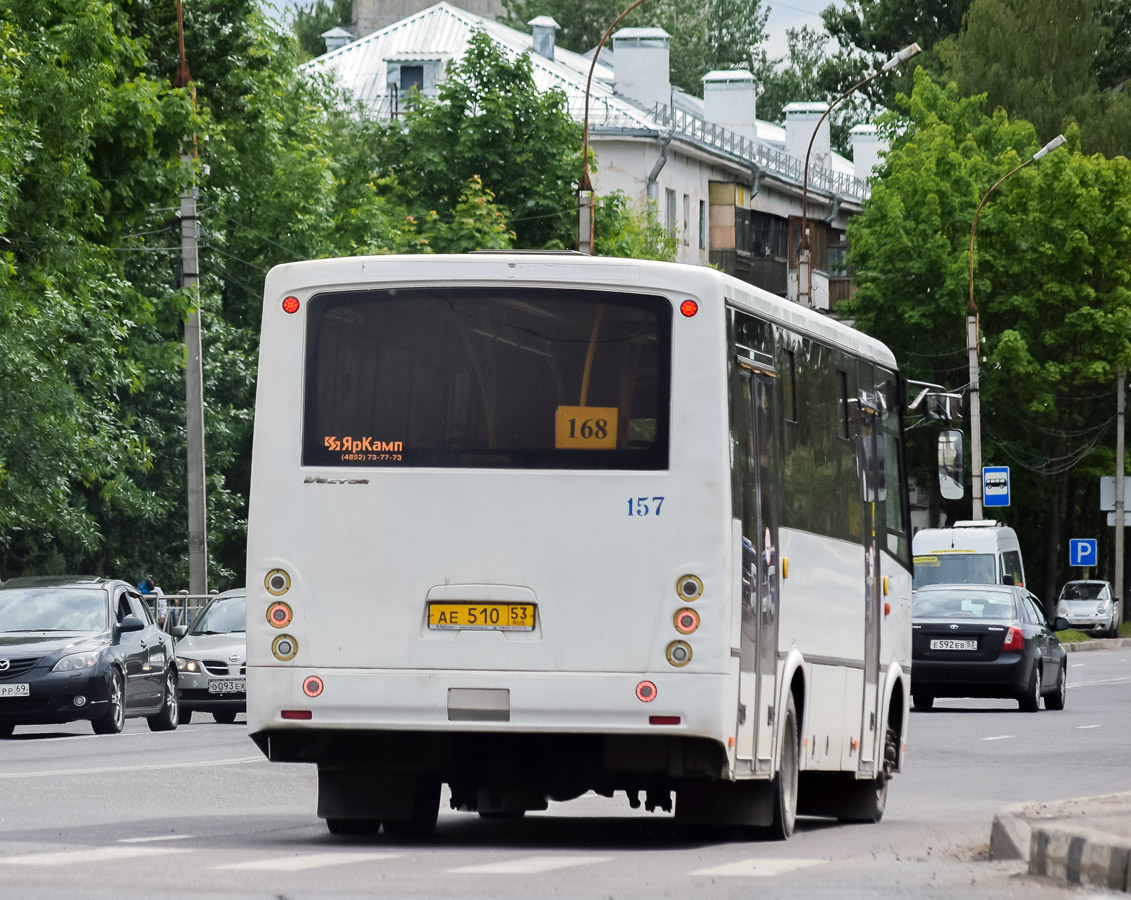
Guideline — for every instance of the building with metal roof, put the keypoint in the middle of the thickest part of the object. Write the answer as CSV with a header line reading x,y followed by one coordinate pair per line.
x,y
728,184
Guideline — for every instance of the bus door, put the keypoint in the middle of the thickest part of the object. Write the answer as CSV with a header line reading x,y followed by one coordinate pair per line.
x,y
757,464
870,465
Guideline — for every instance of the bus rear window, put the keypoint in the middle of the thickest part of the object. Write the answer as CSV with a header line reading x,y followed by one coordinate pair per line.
x,y
482,377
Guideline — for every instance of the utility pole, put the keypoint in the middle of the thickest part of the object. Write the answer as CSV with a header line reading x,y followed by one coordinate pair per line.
x,y
1119,498
194,374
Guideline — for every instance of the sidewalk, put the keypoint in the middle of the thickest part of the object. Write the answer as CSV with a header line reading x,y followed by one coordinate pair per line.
x,y
1086,840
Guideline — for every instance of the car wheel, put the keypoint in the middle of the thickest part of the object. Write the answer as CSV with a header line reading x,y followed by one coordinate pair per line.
x,y
1030,701
923,701
185,714
6,730
114,718
168,717
1056,699
224,716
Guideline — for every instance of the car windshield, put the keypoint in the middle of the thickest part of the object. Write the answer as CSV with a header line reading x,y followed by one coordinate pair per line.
x,y
962,604
1082,590
955,568
223,616
53,609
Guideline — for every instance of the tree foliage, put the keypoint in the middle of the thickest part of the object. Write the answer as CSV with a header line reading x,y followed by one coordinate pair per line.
x,y
1038,59
619,230
1052,274
489,122
715,34
309,22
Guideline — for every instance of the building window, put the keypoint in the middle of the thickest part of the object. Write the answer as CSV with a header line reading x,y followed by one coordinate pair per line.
x,y
669,210
686,219
412,77
702,224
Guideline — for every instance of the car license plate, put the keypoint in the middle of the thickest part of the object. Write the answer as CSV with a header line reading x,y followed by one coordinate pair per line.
x,y
226,686
951,644
481,616
15,690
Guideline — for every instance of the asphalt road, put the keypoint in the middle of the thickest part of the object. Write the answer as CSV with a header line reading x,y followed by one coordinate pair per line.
x,y
198,813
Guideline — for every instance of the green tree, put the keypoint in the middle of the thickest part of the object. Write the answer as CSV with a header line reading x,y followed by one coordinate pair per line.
x,y
490,121
1053,265
716,34
1038,59
619,230
308,23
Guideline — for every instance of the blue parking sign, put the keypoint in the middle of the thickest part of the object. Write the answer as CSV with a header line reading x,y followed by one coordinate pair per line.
x,y
1082,552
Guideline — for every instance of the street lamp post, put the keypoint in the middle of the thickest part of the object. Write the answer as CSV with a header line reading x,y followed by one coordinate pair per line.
x,y
972,341
805,278
584,185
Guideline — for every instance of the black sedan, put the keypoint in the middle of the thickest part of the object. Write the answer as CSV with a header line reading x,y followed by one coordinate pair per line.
x,y
985,640
82,648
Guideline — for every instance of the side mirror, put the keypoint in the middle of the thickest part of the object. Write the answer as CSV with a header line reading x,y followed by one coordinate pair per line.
x,y
1007,579
1060,624
943,407
951,465
131,623
179,631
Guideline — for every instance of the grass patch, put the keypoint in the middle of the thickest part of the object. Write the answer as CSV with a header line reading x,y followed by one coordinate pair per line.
x,y
1071,636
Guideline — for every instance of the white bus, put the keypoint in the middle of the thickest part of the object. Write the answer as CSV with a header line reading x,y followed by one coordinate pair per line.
x,y
530,525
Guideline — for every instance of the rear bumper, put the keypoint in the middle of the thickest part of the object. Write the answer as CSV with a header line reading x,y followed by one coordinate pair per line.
x,y
579,703
1007,676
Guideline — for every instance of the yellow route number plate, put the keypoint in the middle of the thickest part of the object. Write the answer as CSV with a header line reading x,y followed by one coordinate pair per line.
x,y
481,616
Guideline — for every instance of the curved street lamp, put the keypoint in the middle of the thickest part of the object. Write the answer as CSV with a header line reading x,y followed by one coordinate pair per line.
x,y
972,341
584,185
803,260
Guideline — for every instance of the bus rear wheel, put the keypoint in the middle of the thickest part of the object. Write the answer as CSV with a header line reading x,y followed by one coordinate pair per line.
x,y
425,809
785,784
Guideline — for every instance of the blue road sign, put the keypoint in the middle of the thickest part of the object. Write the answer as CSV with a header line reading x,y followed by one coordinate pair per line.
x,y
1082,552
995,486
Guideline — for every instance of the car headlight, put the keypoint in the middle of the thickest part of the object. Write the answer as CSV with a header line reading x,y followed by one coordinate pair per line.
x,y
75,662
188,665
1062,609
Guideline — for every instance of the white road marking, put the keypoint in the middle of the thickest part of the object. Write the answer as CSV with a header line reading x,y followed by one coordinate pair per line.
x,y
760,868
1073,684
85,855
532,865
1082,727
160,837
306,861
240,760
1000,737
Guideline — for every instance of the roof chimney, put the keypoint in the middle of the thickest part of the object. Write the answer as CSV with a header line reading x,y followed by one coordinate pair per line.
x,y
866,149
336,38
800,120
729,100
544,29
641,65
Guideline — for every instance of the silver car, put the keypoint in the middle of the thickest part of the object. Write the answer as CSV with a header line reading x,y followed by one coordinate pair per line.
x,y
1090,606
212,659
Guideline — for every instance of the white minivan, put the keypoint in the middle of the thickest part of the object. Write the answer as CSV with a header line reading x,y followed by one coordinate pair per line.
x,y
976,552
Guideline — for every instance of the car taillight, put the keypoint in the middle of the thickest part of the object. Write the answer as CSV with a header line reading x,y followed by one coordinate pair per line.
x,y
1014,639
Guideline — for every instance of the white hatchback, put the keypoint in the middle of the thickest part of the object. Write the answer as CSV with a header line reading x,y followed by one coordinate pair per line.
x,y
1090,606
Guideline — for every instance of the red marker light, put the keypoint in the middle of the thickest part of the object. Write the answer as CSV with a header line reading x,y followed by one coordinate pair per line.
x,y
663,720
279,615
1014,639
646,692
689,308
296,714
686,621
291,305
312,687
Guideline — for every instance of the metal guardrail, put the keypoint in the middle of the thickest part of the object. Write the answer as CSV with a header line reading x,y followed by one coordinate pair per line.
x,y
183,607
771,159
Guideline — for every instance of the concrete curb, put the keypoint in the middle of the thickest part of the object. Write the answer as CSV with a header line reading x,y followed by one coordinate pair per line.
x,y
1080,856
1067,840
1098,644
